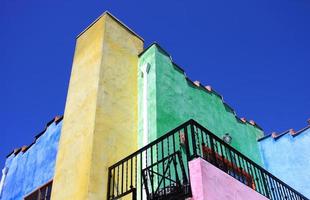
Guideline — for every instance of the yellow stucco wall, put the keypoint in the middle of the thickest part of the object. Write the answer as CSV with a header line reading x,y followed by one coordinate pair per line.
x,y
100,120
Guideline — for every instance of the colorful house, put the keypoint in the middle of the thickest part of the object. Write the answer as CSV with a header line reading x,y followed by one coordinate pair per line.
x,y
31,168
286,155
136,127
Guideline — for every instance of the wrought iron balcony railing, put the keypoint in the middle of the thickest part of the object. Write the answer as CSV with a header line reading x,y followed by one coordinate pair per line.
x,y
160,169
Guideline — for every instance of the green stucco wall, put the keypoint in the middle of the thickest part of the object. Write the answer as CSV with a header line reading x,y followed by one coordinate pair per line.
x,y
173,99
147,58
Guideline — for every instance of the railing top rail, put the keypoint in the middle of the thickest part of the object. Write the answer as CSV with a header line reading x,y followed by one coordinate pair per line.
x,y
245,157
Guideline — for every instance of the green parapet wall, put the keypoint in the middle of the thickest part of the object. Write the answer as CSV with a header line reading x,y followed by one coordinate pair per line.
x,y
168,98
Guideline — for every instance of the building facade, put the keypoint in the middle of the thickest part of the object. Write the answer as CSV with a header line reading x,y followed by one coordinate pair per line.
x,y
286,155
136,127
172,98
31,167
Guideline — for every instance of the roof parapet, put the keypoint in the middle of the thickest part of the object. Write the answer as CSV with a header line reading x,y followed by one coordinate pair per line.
x,y
301,130
243,119
209,88
291,131
24,148
198,84
252,122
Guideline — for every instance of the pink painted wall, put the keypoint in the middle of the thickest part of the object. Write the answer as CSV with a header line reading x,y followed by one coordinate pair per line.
x,y
210,183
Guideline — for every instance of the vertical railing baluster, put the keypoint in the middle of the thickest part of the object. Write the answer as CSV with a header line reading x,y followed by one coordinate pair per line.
x,y
245,170
250,172
140,172
175,163
136,172
280,190
276,192
213,152
266,185
260,180
127,175
162,150
113,185
194,144
202,140
163,166
228,156
239,168
257,180
169,169
223,159
117,183
131,171
122,184
152,184
187,149
294,196
109,185
289,193
285,192
157,159
273,193
198,141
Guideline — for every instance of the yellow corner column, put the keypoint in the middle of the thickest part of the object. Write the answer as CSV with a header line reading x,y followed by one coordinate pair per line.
x,y
100,120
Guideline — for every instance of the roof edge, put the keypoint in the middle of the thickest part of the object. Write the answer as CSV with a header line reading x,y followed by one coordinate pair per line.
x,y
264,137
300,131
116,19
276,136
24,148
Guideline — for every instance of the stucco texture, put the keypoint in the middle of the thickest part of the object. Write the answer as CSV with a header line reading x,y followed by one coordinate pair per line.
x,y
172,100
100,120
29,170
287,157
210,183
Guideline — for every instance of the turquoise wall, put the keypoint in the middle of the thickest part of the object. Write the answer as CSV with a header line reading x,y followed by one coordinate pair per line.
x,y
172,100
288,158
29,170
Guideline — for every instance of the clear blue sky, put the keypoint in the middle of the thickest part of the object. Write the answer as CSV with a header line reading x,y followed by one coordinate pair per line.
x,y
255,53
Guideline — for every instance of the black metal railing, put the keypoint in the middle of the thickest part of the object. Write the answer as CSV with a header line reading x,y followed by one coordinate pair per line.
x,y
160,169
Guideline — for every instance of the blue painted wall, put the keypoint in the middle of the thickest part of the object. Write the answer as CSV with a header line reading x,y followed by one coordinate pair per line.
x,y
29,170
288,158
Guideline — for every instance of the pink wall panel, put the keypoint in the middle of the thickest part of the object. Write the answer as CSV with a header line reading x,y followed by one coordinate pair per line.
x,y
210,183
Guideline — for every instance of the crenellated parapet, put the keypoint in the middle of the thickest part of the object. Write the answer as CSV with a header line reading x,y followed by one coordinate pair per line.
x,y
291,132
25,148
172,98
207,88
286,155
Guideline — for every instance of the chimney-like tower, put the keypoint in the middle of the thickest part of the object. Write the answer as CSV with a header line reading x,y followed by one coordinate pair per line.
x,y
100,120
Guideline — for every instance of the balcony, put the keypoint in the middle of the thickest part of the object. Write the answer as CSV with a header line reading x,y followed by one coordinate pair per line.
x,y
160,170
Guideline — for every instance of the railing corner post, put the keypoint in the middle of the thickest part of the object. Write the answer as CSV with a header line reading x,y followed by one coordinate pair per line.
x,y
187,149
195,154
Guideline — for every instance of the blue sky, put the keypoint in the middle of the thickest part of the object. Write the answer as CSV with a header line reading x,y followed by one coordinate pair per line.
x,y
255,53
